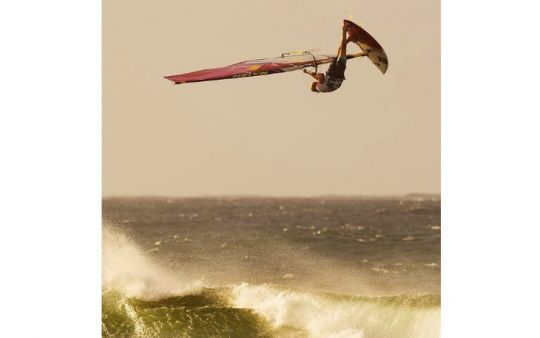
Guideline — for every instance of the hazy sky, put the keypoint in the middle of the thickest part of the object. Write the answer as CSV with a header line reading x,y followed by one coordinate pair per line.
x,y
379,134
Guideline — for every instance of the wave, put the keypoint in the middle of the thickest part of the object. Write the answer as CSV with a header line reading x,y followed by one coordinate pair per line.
x,y
140,298
330,315
264,311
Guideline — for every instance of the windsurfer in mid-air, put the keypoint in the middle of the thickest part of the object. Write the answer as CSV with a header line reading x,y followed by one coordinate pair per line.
x,y
292,61
336,72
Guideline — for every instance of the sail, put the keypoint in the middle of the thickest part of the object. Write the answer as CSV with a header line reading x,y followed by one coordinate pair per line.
x,y
285,63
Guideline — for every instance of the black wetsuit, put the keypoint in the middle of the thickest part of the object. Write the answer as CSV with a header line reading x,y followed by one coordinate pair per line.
x,y
334,75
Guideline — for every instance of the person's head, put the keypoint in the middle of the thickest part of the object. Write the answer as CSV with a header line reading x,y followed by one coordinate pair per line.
x,y
314,87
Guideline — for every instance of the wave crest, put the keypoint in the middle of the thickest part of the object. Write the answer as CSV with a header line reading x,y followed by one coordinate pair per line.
x,y
323,315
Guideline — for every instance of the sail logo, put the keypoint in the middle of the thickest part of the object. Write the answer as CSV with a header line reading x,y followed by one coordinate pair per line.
x,y
250,74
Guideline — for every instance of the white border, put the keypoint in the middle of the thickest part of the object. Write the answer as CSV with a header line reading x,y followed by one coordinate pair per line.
x,y
490,181
50,139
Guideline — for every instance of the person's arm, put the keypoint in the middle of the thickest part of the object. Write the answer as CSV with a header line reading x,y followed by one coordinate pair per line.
x,y
317,76
312,74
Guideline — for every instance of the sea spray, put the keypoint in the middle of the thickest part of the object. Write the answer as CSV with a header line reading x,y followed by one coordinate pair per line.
x,y
128,270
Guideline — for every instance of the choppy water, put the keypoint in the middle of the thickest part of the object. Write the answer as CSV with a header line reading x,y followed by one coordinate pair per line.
x,y
271,267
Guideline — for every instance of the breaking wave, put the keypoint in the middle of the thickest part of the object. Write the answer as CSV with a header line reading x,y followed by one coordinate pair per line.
x,y
142,299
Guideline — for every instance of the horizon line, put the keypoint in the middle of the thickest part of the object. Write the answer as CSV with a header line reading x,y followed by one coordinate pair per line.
x,y
414,194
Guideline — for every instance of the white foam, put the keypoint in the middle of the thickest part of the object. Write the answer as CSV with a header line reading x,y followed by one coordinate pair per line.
x,y
322,316
127,269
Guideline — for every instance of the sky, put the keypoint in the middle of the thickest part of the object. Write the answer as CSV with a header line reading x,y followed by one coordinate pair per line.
x,y
268,135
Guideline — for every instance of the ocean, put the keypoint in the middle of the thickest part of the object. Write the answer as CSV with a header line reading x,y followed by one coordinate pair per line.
x,y
271,267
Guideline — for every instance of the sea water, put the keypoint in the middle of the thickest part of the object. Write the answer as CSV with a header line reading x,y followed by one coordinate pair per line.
x,y
271,267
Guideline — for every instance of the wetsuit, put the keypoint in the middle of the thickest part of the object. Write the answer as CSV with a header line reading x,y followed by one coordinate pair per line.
x,y
334,75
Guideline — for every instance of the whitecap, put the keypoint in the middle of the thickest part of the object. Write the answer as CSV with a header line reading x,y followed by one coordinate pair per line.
x,y
321,316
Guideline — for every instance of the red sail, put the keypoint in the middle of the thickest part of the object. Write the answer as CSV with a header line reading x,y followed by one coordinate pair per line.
x,y
285,63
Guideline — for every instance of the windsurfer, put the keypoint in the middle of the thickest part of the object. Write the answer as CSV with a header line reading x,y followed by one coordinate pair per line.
x,y
336,72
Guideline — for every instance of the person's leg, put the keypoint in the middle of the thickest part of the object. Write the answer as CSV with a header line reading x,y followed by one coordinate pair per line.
x,y
337,67
342,50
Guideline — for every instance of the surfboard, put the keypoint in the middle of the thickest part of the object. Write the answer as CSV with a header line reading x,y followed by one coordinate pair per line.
x,y
368,44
